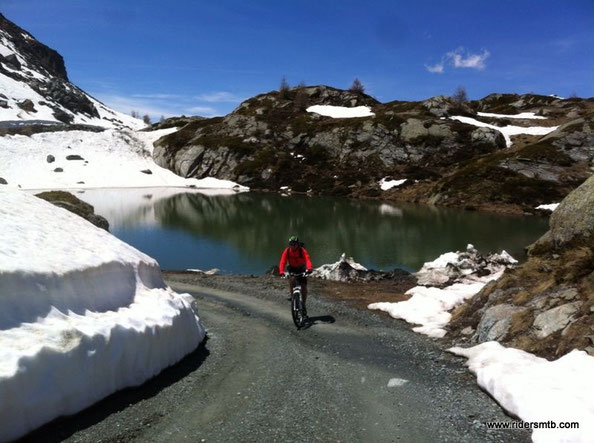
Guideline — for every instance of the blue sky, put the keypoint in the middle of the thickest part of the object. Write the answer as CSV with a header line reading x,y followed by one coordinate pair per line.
x,y
204,57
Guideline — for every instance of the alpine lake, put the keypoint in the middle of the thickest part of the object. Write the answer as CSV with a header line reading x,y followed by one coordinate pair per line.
x,y
245,233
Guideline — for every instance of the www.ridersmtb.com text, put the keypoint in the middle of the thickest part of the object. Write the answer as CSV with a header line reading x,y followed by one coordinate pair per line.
x,y
532,425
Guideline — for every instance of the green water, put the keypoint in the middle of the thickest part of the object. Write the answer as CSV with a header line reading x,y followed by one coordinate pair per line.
x,y
246,233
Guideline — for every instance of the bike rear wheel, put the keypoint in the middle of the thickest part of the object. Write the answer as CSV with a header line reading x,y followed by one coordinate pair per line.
x,y
297,311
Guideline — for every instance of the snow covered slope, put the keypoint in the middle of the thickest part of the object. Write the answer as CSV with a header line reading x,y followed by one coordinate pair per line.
x,y
105,149
34,86
83,316
115,158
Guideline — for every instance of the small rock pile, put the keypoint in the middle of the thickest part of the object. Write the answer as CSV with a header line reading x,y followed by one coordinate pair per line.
x,y
347,270
464,267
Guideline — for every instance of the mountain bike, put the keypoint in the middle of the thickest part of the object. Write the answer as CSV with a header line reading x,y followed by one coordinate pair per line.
x,y
297,311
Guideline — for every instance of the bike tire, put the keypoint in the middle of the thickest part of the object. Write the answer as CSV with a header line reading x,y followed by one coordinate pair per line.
x,y
297,311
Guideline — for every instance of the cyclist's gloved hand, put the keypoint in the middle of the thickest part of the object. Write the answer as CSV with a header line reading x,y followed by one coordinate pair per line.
x,y
282,275
309,271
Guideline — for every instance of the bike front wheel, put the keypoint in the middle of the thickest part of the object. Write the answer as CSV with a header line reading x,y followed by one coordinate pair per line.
x,y
297,311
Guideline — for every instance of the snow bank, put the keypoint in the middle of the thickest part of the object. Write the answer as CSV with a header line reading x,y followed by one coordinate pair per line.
x,y
112,158
507,131
551,207
537,390
444,284
386,184
341,111
82,315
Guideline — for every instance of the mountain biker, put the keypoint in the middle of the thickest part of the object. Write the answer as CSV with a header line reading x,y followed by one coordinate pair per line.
x,y
298,261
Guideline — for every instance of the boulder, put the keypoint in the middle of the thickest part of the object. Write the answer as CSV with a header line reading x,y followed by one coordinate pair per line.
x,y
496,321
574,217
13,61
554,319
487,136
63,116
27,105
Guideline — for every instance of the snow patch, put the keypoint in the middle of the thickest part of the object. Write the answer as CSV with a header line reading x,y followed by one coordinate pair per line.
x,y
527,115
386,184
112,158
550,207
507,131
341,111
396,382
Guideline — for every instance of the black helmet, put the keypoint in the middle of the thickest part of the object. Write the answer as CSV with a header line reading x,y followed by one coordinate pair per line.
x,y
293,239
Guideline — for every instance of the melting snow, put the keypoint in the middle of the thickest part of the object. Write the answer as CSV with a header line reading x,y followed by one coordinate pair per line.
x,y
538,390
430,306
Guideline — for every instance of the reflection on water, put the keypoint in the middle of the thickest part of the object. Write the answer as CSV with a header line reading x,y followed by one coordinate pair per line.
x,y
246,233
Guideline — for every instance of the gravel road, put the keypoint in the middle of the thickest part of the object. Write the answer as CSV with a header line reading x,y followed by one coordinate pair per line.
x,y
353,375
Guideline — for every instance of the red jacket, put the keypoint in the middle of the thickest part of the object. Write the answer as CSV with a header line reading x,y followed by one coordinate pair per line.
x,y
296,258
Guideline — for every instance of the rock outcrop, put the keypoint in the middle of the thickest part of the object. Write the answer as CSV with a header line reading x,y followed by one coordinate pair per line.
x,y
271,141
546,305
69,202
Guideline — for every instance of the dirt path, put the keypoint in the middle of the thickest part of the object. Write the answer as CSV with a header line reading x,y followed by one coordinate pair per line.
x,y
352,376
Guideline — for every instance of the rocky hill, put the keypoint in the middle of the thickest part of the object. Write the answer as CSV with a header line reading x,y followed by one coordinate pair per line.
x,y
272,141
546,305
34,86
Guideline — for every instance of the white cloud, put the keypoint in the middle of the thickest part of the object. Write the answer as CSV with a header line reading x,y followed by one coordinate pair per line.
x,y
218,97
436,69
460,58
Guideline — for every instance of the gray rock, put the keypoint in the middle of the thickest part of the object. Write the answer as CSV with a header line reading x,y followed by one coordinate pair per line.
x,y
3,181
74,157
496,322
574,217
13,61
534,169
554,319
27,105
442,106
50,158
63,116
413,128
3,104
487,136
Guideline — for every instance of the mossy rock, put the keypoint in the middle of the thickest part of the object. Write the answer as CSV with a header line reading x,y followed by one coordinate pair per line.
x,y
69,202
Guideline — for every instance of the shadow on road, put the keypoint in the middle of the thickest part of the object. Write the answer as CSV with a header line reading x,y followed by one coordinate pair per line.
x,y
64,427
311,321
